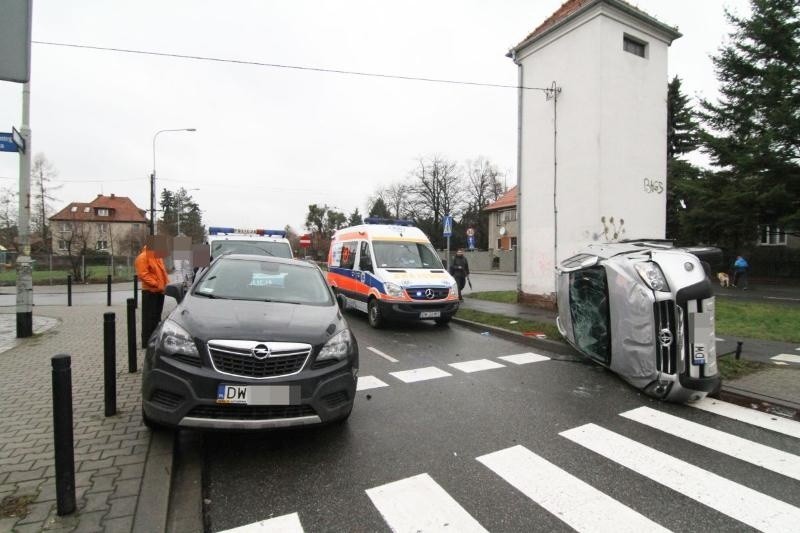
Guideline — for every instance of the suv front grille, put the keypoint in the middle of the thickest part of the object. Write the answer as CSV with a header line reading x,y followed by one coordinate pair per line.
x,y
667,341
251,412
237,358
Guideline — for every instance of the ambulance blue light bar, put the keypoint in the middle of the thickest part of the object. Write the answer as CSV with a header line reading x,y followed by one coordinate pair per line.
x,y
215,230
392,221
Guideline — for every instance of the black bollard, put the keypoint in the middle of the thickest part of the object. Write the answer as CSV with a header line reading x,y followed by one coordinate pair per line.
x,y
739,349
110,363
131,336
108,289
69,290
135,291
62,434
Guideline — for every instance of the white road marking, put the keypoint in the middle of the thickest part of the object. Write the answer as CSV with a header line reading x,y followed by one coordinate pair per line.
x,y
477,365
781,363
378,352
750,416
782,298
288,523
524,358
737,501
369,382
577,503
418,503
787,357
746,450
719,340
420,374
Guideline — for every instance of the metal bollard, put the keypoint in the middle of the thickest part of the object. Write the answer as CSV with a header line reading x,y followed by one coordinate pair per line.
x,y
62,434
739,349
108,289
69,290
131,336
135,291
110,363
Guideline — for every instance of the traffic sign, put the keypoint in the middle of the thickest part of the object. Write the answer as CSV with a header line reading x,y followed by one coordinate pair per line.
x,y
471,242
470,232
18,139
448,226
7,143
305,240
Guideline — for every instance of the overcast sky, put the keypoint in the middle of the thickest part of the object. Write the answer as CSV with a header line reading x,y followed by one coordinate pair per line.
x,y
270,141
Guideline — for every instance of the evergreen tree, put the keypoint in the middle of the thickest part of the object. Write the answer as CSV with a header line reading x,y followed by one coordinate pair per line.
x,y
754,135
379,209
682,138
355,218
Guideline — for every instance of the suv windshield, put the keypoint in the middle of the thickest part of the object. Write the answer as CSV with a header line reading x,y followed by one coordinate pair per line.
x,y
243,279
390,254
274,249
588,297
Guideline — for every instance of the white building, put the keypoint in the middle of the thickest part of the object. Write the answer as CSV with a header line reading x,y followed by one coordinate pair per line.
x,y
592,153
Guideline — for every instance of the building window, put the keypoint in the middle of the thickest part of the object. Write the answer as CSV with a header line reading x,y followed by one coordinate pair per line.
x,y
102,228
74,208
499,244
510,215
102,212
513,242
63,226
87,209
499,218
62,244
102,245
135,227
772,236
634,46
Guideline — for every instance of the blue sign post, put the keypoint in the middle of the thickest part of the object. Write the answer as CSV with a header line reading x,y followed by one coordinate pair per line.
x,y
7,143
447,224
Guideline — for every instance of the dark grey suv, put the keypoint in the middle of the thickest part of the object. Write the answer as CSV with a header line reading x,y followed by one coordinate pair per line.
x,y
256,342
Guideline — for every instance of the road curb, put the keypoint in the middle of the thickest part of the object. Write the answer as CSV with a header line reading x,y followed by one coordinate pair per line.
x,y
153,505
548,345
760,402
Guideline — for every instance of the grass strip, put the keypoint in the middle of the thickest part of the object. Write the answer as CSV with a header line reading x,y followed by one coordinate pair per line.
x,y
730,368
511,323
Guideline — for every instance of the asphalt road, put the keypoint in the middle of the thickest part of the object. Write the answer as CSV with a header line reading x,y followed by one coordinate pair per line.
x,y
522,447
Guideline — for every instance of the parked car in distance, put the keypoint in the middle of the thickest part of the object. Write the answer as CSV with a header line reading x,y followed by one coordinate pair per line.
x,y
644,309
256,342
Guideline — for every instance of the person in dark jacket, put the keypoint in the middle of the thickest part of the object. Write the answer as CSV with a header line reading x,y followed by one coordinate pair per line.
x,y
459,269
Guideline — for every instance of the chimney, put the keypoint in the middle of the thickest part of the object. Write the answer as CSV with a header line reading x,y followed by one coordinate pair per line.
x,y
112,195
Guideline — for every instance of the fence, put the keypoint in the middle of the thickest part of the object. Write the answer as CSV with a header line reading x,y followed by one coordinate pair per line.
x,y
54,269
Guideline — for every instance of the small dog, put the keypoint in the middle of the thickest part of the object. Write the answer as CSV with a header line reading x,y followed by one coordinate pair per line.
x,y
724,279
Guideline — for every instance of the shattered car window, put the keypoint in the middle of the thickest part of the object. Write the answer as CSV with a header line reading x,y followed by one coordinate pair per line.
x,y
588,294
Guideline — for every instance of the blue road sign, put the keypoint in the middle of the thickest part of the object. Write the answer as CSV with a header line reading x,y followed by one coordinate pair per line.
x,y
7,144
448,226
471,242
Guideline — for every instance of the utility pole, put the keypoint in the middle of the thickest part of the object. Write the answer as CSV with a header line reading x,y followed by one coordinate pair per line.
x,y
24,265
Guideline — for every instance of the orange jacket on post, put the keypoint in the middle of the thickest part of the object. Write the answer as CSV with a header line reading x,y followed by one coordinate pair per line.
x,y
151,272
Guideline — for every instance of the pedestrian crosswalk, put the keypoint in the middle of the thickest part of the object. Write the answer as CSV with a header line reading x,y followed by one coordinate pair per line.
x,y
572,495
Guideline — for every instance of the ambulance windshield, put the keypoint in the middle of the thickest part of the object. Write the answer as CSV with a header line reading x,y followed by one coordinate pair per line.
x,y
390,254
275,249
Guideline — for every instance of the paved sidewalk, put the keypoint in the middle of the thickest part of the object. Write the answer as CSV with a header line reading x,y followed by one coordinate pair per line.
x,y
779,385
110,453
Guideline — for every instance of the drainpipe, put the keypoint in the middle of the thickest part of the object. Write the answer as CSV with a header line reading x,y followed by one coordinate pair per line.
x,y
520,217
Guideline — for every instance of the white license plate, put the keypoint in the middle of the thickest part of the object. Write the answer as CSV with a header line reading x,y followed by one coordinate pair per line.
x,y
430,314
254,394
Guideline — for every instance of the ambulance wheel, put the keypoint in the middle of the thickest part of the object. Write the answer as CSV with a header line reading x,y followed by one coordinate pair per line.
x,y
443,321
374,314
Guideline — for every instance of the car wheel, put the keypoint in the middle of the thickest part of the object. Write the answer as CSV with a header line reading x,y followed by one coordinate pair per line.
x,y
374,313
443,321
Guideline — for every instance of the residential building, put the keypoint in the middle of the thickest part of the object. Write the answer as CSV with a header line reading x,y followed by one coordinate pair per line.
x,y
107,224
503,226
592,134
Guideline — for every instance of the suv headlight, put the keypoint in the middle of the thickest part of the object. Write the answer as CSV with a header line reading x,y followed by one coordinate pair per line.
x,y
453,289
337,346
393,289
653,276
176,340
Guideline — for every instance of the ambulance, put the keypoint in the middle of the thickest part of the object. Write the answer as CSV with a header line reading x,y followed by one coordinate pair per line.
x,y
389,270
222,240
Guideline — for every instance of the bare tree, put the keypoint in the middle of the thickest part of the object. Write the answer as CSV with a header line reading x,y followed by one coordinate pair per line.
x,y
42,175
8,218
436,189
76,237
484,183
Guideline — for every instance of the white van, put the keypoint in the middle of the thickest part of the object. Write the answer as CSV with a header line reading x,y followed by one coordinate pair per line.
x,y
389,270
248,241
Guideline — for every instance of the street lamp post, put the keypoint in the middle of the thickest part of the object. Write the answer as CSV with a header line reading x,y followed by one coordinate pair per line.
x,y
153,179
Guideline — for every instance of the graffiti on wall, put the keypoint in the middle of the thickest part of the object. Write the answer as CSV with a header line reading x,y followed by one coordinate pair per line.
x,y
653,186
613,230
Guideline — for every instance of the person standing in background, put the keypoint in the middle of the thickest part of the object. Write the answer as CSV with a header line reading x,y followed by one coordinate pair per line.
x,y
153,277
460,270
740,267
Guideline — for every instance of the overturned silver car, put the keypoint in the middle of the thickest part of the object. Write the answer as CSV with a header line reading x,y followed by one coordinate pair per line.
x,y
644,309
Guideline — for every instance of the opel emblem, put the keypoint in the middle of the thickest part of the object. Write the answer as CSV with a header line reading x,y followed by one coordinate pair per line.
x,y
260,351
429,294
665,337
